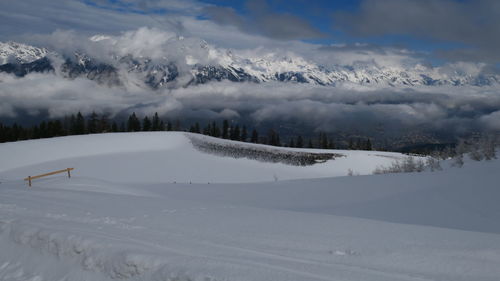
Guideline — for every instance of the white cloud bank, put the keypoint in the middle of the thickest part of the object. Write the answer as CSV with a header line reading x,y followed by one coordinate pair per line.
x,y
446,109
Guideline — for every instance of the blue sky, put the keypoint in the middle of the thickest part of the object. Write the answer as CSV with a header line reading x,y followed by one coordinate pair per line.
x,y
318,12
321,14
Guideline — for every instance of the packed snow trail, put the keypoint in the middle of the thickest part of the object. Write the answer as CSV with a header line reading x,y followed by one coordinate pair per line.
x,y
426,226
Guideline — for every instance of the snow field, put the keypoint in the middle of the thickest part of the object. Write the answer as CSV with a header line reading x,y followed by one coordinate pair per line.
x,y
105,225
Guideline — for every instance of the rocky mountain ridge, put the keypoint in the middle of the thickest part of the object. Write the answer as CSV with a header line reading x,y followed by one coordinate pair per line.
x,y
20,59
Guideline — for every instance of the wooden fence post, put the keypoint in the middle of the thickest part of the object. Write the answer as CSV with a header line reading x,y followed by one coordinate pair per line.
x,y
30,178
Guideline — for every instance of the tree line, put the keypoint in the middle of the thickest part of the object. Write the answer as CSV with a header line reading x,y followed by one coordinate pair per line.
x,y
77,124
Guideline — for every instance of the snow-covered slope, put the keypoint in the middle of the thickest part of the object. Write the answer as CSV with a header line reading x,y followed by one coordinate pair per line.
x,y
138,225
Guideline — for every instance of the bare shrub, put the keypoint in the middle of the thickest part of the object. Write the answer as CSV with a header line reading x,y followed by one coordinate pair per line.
x,y
478,149
475,152
261,153
407,165
488,148
433,163
350,172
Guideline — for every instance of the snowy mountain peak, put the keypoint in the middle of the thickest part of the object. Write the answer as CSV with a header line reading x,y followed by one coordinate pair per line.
x,y
12,52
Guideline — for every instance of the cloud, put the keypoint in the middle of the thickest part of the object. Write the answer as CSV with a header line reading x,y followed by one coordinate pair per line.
x,y
225,16
389,112
190,7
491,121
472,24
27,21
31,17
261,20
350,54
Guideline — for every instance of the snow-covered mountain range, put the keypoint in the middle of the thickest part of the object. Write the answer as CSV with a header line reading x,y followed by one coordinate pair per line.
x,y
200,63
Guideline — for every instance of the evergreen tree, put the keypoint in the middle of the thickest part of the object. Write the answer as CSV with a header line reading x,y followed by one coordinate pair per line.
x,y
358,144
50,129
368,145
255,136
169,126
133,124
114,127
92,123
35,133
15,133
177,125
235,133
146,124
2,132
244,134
215,130
291,143
43,130
310,144
273,138
104,124
350,146
225,129
300,142
58,129
155,124
54,129
79,124
72,124
331,144
208,129
122,127
66,124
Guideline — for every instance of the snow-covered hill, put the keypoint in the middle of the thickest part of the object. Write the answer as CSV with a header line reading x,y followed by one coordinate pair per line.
x,y
169,157
122,216
190,61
